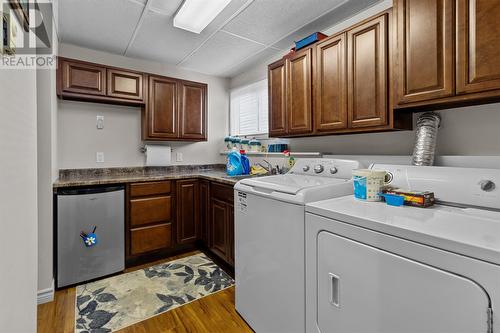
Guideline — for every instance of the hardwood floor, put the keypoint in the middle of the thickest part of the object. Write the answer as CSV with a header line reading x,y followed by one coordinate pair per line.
x,y
211,314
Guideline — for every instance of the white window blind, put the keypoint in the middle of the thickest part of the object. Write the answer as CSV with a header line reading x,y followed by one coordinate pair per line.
x,y
249,109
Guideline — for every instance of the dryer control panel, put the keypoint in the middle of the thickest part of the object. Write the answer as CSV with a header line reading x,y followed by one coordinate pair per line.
x,y
463,186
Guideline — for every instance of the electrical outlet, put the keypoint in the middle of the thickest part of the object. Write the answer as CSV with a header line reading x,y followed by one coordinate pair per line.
x,y
99,157
179,157
100,122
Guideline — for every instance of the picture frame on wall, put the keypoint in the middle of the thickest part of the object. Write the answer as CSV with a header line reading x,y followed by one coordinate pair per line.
x,y
21,8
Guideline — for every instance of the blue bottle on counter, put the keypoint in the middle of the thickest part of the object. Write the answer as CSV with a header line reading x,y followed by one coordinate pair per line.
x,y
245,162
234,167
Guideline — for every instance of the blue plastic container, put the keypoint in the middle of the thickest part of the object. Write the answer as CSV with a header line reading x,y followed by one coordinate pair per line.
x,y
234,167
393,199
313,38
245,163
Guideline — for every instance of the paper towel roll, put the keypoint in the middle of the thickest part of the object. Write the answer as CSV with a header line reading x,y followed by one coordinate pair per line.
x,y
157,155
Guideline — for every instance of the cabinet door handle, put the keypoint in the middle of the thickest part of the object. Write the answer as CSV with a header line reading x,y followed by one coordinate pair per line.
x,y
335,289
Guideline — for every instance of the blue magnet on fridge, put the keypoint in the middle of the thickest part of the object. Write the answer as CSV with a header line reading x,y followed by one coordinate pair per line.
x,y
90,240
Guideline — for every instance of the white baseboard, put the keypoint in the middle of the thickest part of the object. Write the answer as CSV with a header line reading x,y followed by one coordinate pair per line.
x,y
45,295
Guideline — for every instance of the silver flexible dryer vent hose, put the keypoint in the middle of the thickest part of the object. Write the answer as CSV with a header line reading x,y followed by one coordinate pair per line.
x,y
425,140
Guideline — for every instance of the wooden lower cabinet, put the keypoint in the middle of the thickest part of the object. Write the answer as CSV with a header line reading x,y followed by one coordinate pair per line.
x,y
222,222
230,223
150,210
152,238
149,218
188,211
166,217
204,210
219,243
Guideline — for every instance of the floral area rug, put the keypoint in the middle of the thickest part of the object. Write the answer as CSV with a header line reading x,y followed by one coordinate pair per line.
x,y
114,303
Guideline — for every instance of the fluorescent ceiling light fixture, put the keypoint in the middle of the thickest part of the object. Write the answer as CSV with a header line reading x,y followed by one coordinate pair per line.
x,y
195,15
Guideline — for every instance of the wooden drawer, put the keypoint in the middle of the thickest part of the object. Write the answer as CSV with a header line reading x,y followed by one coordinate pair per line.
x,y
83,78
125,84
149,188
222,192
147,239
150,210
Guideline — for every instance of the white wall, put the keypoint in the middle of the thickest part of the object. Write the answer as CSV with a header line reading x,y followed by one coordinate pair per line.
x,y
79,140
18,199
47,173
465,131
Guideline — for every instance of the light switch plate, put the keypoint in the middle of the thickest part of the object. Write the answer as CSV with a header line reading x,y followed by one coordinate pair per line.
x,y
99,157
100,122
179,157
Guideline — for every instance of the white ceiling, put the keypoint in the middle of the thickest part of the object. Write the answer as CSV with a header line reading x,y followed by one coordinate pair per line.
x,y
244,33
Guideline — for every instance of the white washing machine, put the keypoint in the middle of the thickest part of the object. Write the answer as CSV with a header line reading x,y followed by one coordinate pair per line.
x,y
269,240
373,268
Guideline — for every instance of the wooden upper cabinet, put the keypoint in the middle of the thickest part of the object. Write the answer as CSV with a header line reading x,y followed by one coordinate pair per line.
x,y
330,110
188,211
124,84
161,111
299,92
277,98
425,49
83,78
367,47
174,109
478,46
192,110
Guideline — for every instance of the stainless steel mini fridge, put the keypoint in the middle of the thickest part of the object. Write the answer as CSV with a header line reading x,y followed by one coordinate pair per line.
x,y
79,212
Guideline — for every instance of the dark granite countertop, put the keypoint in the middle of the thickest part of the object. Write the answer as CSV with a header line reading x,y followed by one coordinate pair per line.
x,y
89,177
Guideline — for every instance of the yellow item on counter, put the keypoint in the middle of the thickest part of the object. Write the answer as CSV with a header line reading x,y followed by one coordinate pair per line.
x,y
257,170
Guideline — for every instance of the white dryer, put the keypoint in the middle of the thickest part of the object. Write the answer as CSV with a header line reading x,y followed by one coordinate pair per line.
x,y
269,240
373,268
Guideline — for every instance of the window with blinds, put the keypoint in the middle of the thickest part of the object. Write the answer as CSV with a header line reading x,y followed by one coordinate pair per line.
x,y
249,109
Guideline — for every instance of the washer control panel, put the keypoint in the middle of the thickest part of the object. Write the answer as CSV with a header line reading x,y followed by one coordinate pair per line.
x,y
325,167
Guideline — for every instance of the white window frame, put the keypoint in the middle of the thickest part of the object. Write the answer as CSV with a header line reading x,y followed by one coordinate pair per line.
x,y
259,89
